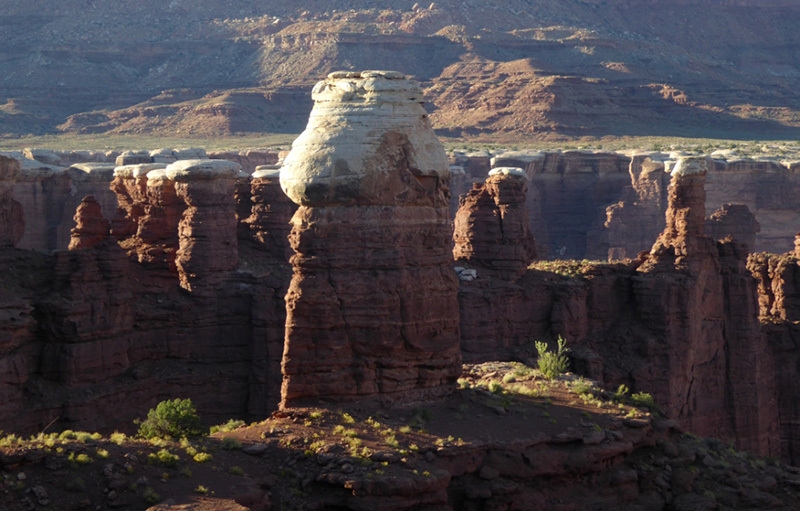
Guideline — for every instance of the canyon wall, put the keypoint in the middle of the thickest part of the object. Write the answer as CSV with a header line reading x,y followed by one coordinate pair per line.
x,y
680,322
50,185
158,301
609,206
581,204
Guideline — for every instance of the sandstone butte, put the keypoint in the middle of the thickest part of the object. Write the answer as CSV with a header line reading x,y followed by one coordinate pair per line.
x,y
182,294
371,309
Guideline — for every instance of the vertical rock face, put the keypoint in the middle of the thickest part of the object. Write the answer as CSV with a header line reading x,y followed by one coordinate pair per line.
x,y
701,307
271,212
244,204
207,230
148,214
492,227
778,278
372,309
12,219
632,223
734,220
43,190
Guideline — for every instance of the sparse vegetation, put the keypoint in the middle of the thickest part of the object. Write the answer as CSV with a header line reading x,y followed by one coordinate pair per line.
x,y
150,496
565,267
164,457
552,364
226,427
229,443
644,400
172,418
202,457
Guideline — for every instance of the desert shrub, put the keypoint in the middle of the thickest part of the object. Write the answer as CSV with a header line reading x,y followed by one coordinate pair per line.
x,y
552,364
621,392
582,386
202,457
644,400
79,459
163,457
150,496
495,387
231,444
76,484
228,426
171,418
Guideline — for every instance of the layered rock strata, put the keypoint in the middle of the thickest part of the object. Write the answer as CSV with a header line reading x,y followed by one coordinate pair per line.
x,y
271,212
778,278
44,191
93,337
91,228
207,241
372,310
491,228
736,221
12,220
700,303
680,323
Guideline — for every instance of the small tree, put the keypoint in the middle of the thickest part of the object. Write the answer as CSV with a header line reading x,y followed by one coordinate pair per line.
x,y
552,364
176,418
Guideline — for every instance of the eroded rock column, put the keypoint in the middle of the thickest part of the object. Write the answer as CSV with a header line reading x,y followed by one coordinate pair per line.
x,y
270,213
207,230
709,368
492,227
372,309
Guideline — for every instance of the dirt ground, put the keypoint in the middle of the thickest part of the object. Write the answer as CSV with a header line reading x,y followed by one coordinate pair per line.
x,y
312,457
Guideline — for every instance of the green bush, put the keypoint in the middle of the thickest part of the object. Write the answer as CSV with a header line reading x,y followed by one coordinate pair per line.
x,y
176,418
164,457
644,400
228,426
552,364
231,444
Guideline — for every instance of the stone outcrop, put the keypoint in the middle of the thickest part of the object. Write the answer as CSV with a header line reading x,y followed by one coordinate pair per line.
x,y
93,337
90,226
778,278
371,310
631,224
43,191
491,227
249,159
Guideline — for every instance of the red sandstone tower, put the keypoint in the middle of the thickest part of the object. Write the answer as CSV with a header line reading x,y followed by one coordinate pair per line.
x,y
372,309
